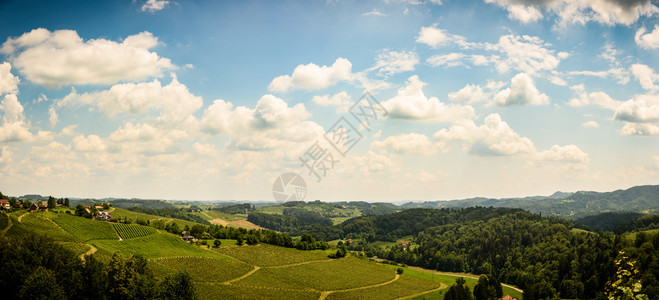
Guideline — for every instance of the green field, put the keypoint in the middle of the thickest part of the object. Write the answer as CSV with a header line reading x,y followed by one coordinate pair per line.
x,y
85,229
405,286
129,231
267,255
345,273
39,223
221,291
448,280
154,246
204,269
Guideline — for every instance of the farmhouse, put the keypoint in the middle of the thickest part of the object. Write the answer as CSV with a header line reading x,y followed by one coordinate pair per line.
x,y
34,207
104,215
4,203
187,237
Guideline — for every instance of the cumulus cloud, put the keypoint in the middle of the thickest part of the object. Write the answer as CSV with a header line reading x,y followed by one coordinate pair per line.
x,y
410,103
410,143
647,40
608,12
646,76
474,93
493,138
174,102
374,12
269,112
526,53
597,98
393,62
8,82
341,100
522,91
435,37
643,109
154,5
521,12
569,154
313,77
642,129
14,127
62,57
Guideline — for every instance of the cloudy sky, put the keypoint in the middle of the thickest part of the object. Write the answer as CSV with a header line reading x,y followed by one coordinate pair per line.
x,y
207,100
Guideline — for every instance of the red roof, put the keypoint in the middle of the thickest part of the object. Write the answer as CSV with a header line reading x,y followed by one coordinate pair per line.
x,y
3,201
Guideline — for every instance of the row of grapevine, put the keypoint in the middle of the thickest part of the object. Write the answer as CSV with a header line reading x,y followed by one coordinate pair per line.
x,y
127,231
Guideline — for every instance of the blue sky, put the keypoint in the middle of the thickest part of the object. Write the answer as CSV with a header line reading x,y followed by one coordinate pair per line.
x,y
213,100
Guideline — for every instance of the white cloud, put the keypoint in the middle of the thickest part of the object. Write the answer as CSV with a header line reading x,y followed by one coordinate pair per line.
x,y
153,6
91,143
393,62
643,109
569,154
646,76
270,112
410,143
434,37
8,82
341,100
649,40
520,12
474,93
410,103
374,12
14,127
313,77
642,129
62,57
522,91
471,93
608,12
590,124
493,138
526,54
449,60
598,98
174,102
617,73
52,116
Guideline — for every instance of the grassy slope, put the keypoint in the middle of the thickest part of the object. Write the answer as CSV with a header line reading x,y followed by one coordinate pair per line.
x,y
162,244
267,255
449,280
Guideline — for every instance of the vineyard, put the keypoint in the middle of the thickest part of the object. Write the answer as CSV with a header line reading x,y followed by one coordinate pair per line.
x,y
129,231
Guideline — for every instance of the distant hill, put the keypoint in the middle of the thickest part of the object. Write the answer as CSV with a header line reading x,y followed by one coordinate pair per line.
x,y
643,199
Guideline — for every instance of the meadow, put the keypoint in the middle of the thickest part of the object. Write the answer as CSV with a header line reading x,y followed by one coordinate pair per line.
x,y
267,255
162,244
338,274
210,270
85,229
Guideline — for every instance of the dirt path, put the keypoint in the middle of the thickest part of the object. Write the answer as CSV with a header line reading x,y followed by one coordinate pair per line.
x,y
91,251
324,294
256,268
9,224
21,217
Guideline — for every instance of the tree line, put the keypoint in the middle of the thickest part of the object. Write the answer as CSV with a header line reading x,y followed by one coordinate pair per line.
x,y
35,267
